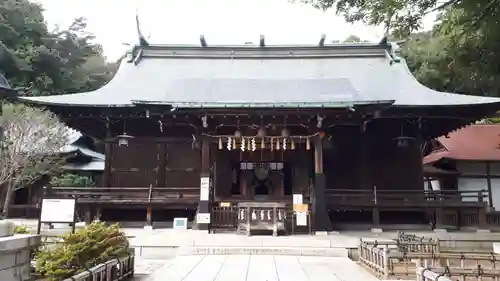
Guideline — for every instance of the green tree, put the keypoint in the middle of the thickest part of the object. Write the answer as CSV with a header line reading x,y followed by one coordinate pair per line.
x,y
459,55
48,62
30,147
353,39
403,17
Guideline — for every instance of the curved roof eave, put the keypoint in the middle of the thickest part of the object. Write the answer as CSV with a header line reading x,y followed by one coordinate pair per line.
x,y
368,74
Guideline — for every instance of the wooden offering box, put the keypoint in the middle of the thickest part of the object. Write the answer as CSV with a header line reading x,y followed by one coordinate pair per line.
x,y
261,216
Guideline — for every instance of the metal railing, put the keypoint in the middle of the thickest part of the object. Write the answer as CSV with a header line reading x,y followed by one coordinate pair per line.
x,y
113,270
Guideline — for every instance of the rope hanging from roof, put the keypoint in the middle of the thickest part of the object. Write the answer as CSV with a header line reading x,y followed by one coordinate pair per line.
x,y
251,143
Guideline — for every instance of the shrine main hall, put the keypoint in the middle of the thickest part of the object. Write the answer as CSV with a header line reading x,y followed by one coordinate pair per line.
x,y
282,138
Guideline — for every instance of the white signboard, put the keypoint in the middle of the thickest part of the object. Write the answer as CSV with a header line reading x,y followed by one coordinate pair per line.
x,y
58,210
297,199
203,218
301,218
180,223
204,188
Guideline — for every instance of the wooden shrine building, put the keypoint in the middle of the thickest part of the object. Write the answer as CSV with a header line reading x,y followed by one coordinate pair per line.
x,y
206,128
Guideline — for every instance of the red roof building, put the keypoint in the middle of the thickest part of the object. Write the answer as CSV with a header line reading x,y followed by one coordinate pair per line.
x,y
471,155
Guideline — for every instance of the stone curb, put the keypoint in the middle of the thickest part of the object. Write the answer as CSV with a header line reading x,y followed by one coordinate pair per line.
x,y
286,251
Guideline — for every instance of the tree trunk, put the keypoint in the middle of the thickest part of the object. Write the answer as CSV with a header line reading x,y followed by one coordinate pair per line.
x,y
8,197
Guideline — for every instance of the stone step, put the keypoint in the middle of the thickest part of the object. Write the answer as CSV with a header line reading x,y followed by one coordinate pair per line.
x,y
284,251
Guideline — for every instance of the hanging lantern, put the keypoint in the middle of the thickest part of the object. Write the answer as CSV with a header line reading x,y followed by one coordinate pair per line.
x,y
403,141
234,144
292,144
229,143
284,144
220,143
277,144
308,144
243,144
123,139
253,144
262,143
272,144
249,145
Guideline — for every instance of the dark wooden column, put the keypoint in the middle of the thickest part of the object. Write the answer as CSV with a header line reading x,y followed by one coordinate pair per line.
x,y
161,173
488,182
108,150
204,207
320,213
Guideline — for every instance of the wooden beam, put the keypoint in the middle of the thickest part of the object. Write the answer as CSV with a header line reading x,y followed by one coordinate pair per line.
x,y
488,182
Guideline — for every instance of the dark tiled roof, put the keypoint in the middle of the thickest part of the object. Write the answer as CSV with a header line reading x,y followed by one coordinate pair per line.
x,y
473,143
287,76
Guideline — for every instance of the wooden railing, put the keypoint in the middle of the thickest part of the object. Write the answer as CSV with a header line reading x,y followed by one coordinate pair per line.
x,y
408,198
375,258
113,270
426,274
387,259
127,194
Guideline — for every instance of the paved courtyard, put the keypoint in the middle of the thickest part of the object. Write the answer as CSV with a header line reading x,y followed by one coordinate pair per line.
x,y
260,268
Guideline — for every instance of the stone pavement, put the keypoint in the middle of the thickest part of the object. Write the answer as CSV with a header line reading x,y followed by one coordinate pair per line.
x,y
260,268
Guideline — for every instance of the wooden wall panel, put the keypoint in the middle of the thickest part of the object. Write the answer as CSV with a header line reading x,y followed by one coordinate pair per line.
x,y
223,173
136,164
182,179
182,165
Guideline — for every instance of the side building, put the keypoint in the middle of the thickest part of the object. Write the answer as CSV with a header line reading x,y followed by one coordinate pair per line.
x,y
468,160
204,129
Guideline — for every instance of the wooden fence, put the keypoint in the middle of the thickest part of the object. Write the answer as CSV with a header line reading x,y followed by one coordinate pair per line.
x,y
424,258
113,270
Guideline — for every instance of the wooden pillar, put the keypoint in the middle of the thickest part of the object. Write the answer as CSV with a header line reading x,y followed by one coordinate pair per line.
x,y
108,151
488,182
483,222
204,207
439,217
320,214
87,215
161,173
149,211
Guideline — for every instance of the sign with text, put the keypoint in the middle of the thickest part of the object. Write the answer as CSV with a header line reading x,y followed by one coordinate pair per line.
x,y
203,218
301,218
204,188
297,199
180,223
58,210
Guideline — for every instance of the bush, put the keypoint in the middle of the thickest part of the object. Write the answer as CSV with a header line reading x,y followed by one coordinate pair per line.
x,y
21,229
90,246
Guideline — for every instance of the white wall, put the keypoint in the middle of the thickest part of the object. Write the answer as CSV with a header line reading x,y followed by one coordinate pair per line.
x,y
476,184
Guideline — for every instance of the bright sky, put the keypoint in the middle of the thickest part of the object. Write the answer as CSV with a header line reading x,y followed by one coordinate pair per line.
x,y
221,21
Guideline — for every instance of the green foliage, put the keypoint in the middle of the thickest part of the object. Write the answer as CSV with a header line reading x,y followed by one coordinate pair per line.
x,y
21,229
48,62
95,244
459,55
71,180
402,17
